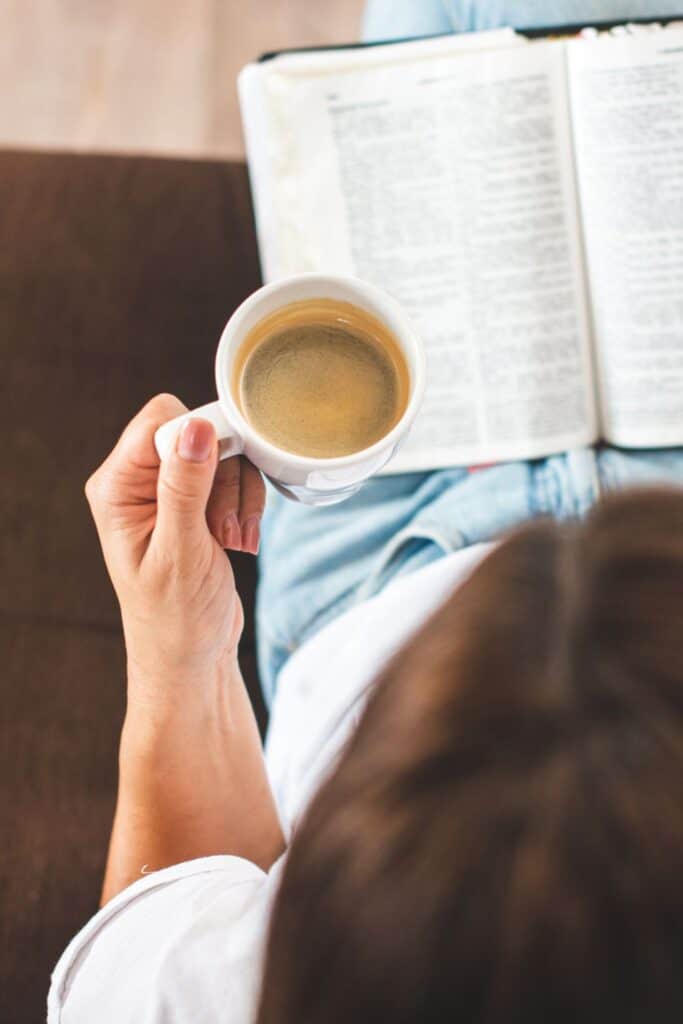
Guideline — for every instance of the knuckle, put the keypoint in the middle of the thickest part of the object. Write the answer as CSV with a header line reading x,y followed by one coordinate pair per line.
x,y
100,493
102,500
89,489
165,406
229,488
93,488
228,475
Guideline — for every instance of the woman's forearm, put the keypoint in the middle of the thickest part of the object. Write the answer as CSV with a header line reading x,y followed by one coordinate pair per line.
x,y
192,779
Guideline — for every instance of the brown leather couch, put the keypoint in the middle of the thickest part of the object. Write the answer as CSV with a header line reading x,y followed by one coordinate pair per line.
x,y
116,276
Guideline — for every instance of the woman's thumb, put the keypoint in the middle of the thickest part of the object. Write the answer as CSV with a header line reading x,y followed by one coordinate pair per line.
x,y
185,479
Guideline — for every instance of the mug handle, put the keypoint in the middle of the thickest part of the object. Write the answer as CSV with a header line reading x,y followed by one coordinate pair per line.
x,y
229,441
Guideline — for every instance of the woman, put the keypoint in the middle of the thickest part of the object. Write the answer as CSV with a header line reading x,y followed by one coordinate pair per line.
x,y
502,837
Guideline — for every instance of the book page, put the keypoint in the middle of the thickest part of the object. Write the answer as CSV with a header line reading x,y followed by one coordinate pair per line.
x,y
449,183
267,126
627,99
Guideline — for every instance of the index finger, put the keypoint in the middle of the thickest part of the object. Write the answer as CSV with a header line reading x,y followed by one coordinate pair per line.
x,y
128,476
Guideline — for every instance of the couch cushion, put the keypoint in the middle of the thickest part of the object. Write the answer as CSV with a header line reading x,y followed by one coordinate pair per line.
x,y
116,277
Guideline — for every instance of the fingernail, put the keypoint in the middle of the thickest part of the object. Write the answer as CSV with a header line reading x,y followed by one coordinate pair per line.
x,y
195,441
232,535
251,535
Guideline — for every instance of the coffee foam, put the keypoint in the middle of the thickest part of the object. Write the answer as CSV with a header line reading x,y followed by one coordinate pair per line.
x,y
321,378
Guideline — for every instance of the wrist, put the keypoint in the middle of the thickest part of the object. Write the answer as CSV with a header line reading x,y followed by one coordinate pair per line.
x,y
174,648
178,737
176,695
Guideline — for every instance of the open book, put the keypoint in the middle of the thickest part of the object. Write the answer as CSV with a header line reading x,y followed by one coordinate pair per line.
x,y
522,200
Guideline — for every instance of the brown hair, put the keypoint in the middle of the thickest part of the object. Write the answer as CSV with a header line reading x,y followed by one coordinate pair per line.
x,y
503,838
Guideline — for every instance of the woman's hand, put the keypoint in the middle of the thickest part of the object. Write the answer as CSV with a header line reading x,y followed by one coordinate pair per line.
x,y
192,779
163,529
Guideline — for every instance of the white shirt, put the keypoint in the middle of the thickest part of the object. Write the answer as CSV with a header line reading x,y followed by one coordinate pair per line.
x,y
184,945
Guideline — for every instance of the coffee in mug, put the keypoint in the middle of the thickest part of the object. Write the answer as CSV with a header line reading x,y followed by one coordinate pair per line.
x,y
321,378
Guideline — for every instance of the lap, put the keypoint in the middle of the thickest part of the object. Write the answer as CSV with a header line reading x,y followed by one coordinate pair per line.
x,y
316,563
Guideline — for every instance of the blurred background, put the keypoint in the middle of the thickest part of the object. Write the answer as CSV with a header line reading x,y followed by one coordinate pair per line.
x,y
152,76
126,241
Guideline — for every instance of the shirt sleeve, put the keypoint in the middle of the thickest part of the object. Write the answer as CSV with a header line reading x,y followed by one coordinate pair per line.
x,y
179,946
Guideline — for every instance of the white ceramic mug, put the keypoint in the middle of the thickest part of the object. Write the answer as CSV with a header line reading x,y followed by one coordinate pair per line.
x,y
309,480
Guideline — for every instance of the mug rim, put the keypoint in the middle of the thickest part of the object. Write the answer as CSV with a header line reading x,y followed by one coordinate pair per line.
x,y
417,378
